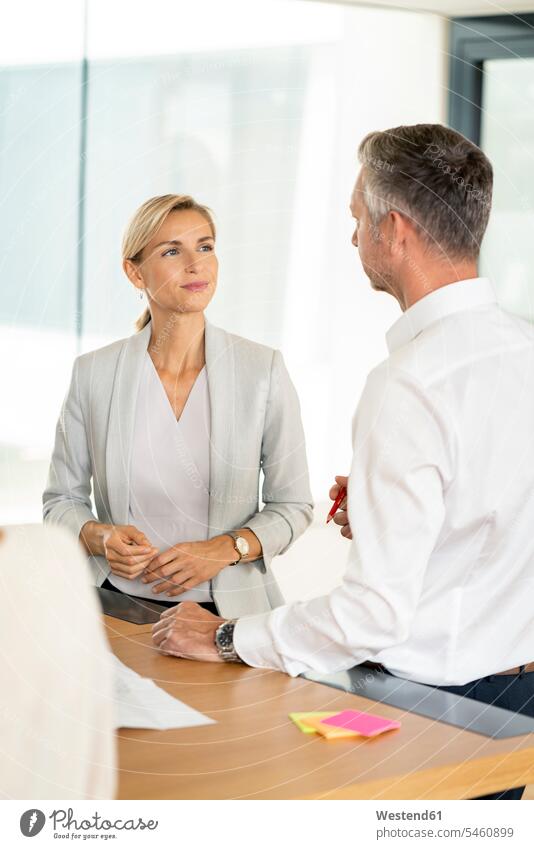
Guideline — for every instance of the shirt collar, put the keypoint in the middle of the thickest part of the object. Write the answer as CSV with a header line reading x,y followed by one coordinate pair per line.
x,y
454,297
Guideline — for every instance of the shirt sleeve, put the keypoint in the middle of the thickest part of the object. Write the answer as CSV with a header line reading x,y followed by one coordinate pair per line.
x,y
403,456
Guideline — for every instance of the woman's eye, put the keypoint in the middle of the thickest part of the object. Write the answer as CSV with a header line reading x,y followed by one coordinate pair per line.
x,y
170,252
207,247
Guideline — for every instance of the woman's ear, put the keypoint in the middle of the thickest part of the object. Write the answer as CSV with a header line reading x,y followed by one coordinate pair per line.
x,y
133,273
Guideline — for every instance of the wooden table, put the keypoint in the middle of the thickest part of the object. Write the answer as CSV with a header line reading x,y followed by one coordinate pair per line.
x,y
256,752
119,628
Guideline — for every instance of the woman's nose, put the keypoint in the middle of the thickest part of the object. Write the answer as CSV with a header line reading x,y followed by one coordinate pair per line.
x,y
192,262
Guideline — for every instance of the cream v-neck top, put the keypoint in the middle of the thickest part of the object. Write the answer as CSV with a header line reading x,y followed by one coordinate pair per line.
x,y
169,474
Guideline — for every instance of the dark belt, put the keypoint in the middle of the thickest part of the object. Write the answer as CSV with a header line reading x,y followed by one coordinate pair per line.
x,y
517,670
208,605
379,667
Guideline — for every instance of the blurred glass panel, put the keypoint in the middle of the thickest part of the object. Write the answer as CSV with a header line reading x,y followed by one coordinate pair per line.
x,y
508,139
39,164
39,174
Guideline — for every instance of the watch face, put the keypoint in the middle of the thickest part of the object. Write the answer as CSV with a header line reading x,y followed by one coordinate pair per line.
x,y
224,635
242,546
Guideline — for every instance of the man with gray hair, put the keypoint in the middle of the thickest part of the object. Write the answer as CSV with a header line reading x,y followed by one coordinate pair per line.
x,y
441,490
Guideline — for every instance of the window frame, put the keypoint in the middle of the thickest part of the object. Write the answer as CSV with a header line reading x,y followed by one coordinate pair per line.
x,y
472,41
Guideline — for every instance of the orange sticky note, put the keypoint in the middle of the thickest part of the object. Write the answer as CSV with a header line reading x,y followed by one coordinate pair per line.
x,y
301,719
329,731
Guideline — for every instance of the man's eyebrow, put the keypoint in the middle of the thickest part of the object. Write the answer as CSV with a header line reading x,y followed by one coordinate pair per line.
x,y
178,242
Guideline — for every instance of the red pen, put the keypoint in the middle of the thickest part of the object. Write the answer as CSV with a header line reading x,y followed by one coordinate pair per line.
x,y
335,506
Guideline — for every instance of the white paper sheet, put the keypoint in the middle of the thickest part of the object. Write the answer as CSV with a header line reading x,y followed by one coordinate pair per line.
x,y
140,703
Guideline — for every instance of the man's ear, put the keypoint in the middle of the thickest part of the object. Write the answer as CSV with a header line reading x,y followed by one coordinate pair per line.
x,y
133,273
399,231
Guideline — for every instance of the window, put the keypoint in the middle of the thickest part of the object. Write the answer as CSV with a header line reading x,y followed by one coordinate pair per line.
x,y
492,102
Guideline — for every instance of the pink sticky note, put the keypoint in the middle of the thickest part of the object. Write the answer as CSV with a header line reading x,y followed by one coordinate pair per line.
x,y
366,724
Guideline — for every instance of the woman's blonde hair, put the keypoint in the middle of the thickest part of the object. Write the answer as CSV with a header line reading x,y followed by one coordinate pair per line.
x,y
146,222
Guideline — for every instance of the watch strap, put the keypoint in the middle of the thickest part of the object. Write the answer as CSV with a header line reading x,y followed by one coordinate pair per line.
x,y
240,556
224,641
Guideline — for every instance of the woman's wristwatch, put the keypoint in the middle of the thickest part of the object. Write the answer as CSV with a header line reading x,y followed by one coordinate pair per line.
x,y
224,641
241,546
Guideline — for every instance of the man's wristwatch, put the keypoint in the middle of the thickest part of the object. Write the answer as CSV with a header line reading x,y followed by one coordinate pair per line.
x,y
241,546
224,641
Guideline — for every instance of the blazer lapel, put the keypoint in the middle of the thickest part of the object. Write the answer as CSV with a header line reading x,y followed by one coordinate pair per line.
x,y
235,591
220,370
121,423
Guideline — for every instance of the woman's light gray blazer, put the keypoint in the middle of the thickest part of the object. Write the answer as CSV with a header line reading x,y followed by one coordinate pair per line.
x,y
255,425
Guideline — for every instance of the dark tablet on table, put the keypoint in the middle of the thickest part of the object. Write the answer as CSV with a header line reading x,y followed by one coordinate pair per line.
x,y
123,606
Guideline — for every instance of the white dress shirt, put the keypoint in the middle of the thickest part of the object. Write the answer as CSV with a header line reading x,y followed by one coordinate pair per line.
x,y
440,575
169,475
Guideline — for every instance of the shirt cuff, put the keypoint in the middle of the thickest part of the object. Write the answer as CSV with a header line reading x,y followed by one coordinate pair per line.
x,y
253,642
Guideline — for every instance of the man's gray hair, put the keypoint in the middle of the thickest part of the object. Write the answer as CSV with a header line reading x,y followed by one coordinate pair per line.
x,y
436,177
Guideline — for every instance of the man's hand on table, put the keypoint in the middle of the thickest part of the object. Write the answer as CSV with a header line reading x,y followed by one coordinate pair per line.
x,y
188,630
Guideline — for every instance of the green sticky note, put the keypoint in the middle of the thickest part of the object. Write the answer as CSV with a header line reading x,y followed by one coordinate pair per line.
x,y
300,719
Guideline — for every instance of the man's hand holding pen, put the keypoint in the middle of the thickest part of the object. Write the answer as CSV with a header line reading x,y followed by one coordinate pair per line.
x,y
338,493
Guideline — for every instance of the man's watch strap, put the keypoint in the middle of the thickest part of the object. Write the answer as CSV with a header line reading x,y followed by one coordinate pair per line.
x,y
224,641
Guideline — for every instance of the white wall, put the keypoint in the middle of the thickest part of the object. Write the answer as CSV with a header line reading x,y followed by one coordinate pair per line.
x,y
451,8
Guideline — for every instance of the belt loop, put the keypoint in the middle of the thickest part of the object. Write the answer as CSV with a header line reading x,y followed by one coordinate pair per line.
x,y
521,671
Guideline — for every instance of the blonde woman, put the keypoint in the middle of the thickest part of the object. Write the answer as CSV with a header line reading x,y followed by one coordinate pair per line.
x,y
171,428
